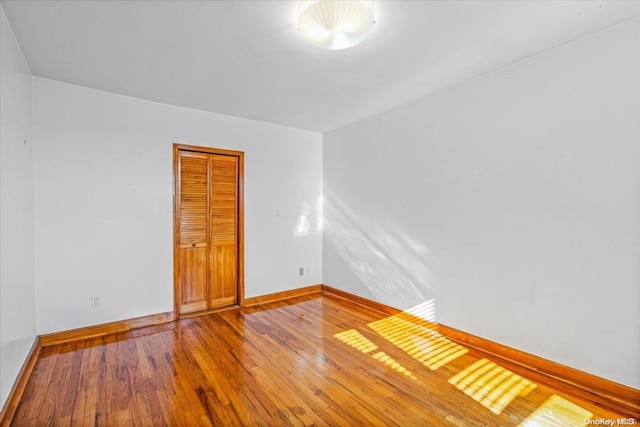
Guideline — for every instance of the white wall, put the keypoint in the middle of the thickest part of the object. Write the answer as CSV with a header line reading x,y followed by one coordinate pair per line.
x,y
17,283
512,200
103,212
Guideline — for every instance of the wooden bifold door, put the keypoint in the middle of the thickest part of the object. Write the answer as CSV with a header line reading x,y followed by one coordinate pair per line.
x,y
208,218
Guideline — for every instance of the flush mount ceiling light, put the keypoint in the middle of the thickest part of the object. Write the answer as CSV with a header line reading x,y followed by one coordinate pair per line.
x,y
335,24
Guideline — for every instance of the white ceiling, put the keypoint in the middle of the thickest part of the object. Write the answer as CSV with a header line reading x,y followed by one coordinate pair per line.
x,y
246,59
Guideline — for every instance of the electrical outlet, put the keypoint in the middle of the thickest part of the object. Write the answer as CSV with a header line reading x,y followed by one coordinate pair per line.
x,y
95,302
301,271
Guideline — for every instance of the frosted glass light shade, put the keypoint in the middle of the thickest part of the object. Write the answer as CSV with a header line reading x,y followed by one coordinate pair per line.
x,y
335,24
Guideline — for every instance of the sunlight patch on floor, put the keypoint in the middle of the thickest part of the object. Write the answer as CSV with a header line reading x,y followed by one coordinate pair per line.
x,y
356,340
390,362
557,412
491,385
423,344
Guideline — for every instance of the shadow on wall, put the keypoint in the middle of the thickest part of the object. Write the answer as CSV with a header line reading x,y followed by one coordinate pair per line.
x,y
390,264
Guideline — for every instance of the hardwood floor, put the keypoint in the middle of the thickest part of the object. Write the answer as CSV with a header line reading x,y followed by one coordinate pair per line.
x,y
313,360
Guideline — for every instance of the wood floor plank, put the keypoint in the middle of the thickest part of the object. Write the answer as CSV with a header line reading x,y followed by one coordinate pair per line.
x,y
310,361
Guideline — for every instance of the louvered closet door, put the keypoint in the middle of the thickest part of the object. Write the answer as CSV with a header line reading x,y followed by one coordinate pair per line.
x,y
193,215
223,196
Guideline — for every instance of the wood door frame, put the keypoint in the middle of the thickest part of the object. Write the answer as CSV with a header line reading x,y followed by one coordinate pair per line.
x,y
177,147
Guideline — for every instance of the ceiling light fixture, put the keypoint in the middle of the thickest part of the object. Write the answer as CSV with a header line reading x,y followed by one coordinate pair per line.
x,y
335,24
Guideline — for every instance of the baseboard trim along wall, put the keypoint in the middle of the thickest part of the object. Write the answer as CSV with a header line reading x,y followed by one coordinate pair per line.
x,y
603,392
283,295
15,395
106,329
45,340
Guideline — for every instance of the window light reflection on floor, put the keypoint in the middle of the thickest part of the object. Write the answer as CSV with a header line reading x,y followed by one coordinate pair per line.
x,y
491,385
423,344
358,341
557,412
389,361
485,382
